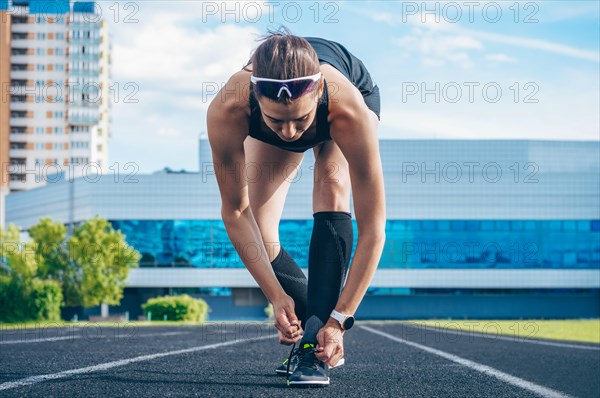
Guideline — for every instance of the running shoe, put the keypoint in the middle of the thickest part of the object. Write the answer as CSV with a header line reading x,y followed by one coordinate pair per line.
x,y
310,371
282,370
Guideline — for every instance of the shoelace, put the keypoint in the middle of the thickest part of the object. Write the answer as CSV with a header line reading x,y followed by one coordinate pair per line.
x,y
292,353
306,358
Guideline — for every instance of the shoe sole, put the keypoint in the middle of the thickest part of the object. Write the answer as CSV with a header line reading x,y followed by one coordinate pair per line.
x,y
308,383
283,372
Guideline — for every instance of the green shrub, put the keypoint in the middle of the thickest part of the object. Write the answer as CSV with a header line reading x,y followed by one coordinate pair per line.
x,y
45,300
10,300
38,300
269,312
177,308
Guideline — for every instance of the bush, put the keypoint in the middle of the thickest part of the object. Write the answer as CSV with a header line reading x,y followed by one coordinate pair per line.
x,y
45,300
177,308
39,300
11,309
269,312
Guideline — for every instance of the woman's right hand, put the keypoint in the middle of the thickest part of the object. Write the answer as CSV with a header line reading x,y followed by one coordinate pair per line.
x,y
287,323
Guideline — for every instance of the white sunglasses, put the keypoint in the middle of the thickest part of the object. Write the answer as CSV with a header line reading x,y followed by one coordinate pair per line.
x,y
296,87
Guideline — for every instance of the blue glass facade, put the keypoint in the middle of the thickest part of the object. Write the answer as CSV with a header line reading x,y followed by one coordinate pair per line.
x,y
49,6
517,244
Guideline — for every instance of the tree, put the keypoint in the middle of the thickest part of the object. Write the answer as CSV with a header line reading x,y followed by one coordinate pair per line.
x,y
19,258
50,237
104,258
89,268
54,259
23,294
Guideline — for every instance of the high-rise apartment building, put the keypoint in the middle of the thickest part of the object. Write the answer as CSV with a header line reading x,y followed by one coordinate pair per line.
x,y
55,82
5,38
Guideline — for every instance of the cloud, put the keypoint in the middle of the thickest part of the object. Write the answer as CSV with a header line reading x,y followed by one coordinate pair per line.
x,y
562,111
536,44
385,17
568,10
500,58
171,56
179,58
436,49
168,132
441,30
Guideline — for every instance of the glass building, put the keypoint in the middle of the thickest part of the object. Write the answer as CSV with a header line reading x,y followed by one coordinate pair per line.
x,y
475,229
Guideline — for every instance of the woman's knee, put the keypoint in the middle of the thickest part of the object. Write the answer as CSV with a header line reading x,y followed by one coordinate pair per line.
x,y
331,197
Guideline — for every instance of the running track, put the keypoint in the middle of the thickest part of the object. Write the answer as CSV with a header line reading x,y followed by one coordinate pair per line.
x,y
225,359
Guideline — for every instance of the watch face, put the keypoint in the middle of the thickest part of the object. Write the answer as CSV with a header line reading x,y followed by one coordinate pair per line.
x,y
348,322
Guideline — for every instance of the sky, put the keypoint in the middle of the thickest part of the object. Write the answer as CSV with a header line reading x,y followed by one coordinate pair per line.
x,y
446,70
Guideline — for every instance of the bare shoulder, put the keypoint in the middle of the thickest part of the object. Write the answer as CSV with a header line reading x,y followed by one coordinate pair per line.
x,y
345,100
353,126
233,98
228,112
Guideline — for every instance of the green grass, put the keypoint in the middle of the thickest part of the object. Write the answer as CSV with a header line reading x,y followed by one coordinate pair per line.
x,y
32,325
582,330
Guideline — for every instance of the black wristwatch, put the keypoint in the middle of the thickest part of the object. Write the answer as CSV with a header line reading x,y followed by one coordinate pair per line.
x,y
346,321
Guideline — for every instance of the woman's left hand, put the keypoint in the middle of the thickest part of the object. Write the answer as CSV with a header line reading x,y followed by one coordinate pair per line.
x,y
289,341
330,347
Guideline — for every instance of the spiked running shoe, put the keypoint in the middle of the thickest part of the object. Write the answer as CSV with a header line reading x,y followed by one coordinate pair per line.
x,y
310,371
283,370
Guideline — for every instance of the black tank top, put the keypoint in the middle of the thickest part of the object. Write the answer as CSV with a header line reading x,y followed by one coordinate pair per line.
x,y
328,52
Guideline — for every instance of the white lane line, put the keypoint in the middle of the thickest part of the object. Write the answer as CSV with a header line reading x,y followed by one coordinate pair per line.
x,y
109,365
158,334
124,336
513,339
39,340
515,381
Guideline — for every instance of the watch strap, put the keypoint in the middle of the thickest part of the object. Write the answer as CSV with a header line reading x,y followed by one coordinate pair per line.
x,y
338,316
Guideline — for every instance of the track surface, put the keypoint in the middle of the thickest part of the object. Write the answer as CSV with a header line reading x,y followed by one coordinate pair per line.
x,y
239,360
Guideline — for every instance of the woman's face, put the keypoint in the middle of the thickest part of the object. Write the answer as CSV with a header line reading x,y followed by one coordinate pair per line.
x,y
290,121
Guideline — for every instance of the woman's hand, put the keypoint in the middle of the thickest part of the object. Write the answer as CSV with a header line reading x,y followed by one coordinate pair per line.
x,y
330,347
287,323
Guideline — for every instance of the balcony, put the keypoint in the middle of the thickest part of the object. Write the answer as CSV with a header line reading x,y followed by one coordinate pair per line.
x,y
18,114
18,161
19,51
20,35
18,82
18,145
18,98
18,177
20,19
18,129
20,67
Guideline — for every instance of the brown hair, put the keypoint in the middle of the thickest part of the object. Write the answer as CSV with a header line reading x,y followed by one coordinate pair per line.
x,y
282,55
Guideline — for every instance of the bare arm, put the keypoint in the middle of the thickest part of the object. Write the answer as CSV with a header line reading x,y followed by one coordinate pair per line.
x,y
227,130
355,132
227,127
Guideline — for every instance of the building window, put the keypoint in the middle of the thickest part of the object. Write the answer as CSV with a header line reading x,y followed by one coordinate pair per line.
x,y
17,177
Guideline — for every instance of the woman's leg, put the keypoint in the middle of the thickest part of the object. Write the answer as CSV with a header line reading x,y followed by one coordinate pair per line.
x,y
270,171
332,236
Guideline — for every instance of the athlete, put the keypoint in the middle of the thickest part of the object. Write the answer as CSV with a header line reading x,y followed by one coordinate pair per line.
x,y
297,93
